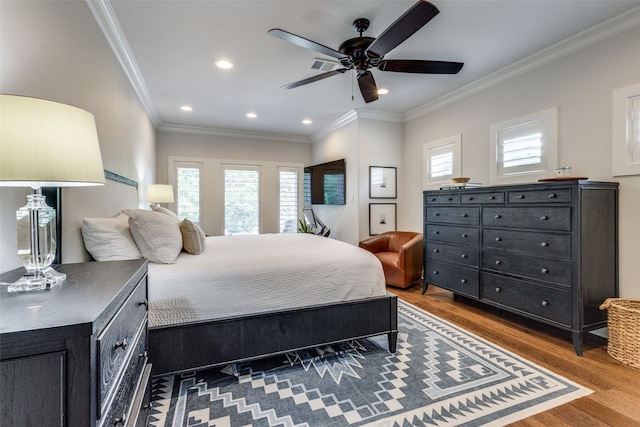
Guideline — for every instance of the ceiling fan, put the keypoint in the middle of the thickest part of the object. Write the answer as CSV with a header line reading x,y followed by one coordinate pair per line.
x,y
362,53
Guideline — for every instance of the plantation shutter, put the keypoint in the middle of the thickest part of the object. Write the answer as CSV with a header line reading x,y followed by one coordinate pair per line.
x,y
288,207
241,199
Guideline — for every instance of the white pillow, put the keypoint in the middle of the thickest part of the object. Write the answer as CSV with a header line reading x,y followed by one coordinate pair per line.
x,y
157,235
193,237
109,239
167,212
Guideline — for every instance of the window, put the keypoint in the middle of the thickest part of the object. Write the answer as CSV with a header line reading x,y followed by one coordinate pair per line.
x,y
442,161
626,131
525,148
288,206
241,199
188,190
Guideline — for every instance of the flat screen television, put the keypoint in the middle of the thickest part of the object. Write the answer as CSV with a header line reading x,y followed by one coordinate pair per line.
x,y
325,184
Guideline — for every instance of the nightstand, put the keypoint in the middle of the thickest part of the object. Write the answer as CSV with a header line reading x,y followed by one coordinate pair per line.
x,y
76,355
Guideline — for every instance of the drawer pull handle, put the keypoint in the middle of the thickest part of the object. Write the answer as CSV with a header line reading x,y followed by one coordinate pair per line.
x,y
498,216
436,214
121,344
470,198
435,251
463,281
464,235
464,256
545,303
544,270
435,271
544,218
498,239
544,244
436,232
498,262
120,421
552,196
434,199
520,197
450,199
145,303
492,197
498,289
464,215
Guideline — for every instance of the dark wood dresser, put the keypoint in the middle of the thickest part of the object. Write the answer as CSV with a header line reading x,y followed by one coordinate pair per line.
x,y
76,355
547,251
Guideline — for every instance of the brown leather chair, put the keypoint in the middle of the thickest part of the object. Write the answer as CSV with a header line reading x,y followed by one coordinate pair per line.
x,y
400,253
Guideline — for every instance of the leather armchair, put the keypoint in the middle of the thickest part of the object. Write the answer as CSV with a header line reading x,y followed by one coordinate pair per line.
x,y
400,253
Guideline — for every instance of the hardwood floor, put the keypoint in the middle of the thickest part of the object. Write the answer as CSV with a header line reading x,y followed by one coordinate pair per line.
x,y
616,398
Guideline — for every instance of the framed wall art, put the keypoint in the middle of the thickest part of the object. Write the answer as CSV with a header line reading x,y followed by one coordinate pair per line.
x,y
383,182
382,217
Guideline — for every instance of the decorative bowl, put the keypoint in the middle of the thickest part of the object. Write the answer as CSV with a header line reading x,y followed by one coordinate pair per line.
x,y
460,180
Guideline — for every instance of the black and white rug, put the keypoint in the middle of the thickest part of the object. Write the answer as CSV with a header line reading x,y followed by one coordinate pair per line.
x,y
440,375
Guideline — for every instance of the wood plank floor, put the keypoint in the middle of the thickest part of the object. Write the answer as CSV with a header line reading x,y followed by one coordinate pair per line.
x,y
616,398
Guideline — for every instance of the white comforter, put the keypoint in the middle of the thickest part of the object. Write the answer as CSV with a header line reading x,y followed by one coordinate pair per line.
x,y
244,274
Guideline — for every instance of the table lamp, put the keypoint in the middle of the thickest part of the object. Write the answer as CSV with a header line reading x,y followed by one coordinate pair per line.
x,y
160,193
44,144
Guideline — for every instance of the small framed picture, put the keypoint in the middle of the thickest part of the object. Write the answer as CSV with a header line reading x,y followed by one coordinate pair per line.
x,y
382,217
383,182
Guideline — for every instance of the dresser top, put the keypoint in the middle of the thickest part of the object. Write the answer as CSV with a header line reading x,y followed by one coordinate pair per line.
x,y
87,299
533,186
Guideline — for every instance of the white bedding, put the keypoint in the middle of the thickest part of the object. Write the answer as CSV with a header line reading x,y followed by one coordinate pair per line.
x,y
238,275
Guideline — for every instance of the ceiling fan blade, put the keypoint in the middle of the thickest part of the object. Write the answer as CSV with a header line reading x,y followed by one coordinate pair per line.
x,y
421,67
410,22
305,43
315,78
368,86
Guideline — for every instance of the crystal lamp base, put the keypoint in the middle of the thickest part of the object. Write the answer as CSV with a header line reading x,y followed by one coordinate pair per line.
x,y
37,280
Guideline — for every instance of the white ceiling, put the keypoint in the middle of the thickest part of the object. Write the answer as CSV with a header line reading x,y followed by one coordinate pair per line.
x,y
168,49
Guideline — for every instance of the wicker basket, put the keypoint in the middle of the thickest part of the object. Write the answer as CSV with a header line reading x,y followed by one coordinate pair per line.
x,y
624,329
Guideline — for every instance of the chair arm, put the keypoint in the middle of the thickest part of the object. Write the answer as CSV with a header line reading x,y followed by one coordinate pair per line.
x,y
377,243
411,252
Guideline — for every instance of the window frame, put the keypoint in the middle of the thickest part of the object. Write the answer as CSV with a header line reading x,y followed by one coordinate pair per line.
x,y
299,193
548,123
190,165
429,149
246,167
622,165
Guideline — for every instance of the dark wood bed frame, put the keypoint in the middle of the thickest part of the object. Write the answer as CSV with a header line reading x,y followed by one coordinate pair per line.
x,y
193,346
197,345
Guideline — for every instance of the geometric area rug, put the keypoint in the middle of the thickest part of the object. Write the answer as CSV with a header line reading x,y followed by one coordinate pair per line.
x,y
440,375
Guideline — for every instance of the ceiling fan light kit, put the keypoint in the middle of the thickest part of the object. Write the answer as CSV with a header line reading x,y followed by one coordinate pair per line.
x,y
364,53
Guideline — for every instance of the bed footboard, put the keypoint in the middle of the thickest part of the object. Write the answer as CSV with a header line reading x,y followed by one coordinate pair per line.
x,y
199,345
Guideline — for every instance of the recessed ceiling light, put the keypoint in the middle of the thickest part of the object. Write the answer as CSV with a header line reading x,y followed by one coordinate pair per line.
x,y
224,64
252,115
186,108
307,122
383,91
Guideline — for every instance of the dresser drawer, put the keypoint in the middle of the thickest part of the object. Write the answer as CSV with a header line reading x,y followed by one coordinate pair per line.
x,y
116,342
467,215
482,198
120,410
453,234
560,195
544,244
544,269
537,218
541,301
454,278
441,199
466,255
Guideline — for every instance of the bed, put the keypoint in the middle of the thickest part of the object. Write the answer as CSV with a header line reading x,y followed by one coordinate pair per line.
x,y
247,297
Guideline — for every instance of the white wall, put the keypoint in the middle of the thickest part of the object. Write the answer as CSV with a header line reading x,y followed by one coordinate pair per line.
x,y
581,86
55,50
362,142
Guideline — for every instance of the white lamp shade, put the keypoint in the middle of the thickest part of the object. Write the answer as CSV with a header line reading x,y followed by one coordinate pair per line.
x,y
160,193
47,144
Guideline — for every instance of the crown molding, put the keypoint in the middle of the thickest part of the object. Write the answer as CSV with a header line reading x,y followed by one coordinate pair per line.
x,y
197,130
354,115
108,22
598,33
